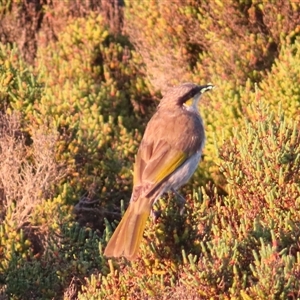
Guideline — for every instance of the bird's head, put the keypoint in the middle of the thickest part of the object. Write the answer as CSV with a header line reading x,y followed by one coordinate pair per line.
x,y
186,95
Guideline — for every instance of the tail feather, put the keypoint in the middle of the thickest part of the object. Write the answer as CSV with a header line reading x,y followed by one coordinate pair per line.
x,y
127,237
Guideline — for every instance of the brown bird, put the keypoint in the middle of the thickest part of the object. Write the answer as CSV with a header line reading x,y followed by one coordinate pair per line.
x,y
167,157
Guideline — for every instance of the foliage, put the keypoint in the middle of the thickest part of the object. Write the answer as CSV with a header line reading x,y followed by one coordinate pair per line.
x,y
283,79
39,22
236,39
71,121
19,87
71,255
93,95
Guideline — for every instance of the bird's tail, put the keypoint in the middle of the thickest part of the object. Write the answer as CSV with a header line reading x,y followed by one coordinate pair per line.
x,y
127,237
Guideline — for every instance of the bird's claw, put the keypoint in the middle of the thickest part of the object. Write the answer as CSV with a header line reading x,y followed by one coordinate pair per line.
x,y
155,214
181,200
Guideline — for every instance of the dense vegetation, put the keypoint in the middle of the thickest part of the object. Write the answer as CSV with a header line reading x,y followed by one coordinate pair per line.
x,y
78,83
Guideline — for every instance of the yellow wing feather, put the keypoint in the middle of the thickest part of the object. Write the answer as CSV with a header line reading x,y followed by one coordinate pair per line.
x,y
168,168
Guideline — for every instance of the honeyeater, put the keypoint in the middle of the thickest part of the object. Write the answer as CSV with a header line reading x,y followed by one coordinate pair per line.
x,y
168,156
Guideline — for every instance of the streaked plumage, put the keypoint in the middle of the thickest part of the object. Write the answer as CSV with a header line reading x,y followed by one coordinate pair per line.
x,y
167,157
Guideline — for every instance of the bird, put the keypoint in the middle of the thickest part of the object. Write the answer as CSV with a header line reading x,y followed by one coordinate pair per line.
x,y
168,155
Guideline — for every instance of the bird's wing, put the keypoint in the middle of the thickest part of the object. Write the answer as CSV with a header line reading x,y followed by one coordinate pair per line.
x,y
163,161
154,164
164,148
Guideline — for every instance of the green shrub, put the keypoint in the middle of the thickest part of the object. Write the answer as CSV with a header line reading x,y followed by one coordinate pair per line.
x,y
236,40
19,87
72,252
94,95
81,109
262,167
281,85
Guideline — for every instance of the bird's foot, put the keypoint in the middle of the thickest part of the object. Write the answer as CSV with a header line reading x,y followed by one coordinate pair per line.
x,y
155,214
181,200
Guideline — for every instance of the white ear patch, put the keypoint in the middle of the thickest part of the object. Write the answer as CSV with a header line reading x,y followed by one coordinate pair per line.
x,y
208,87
